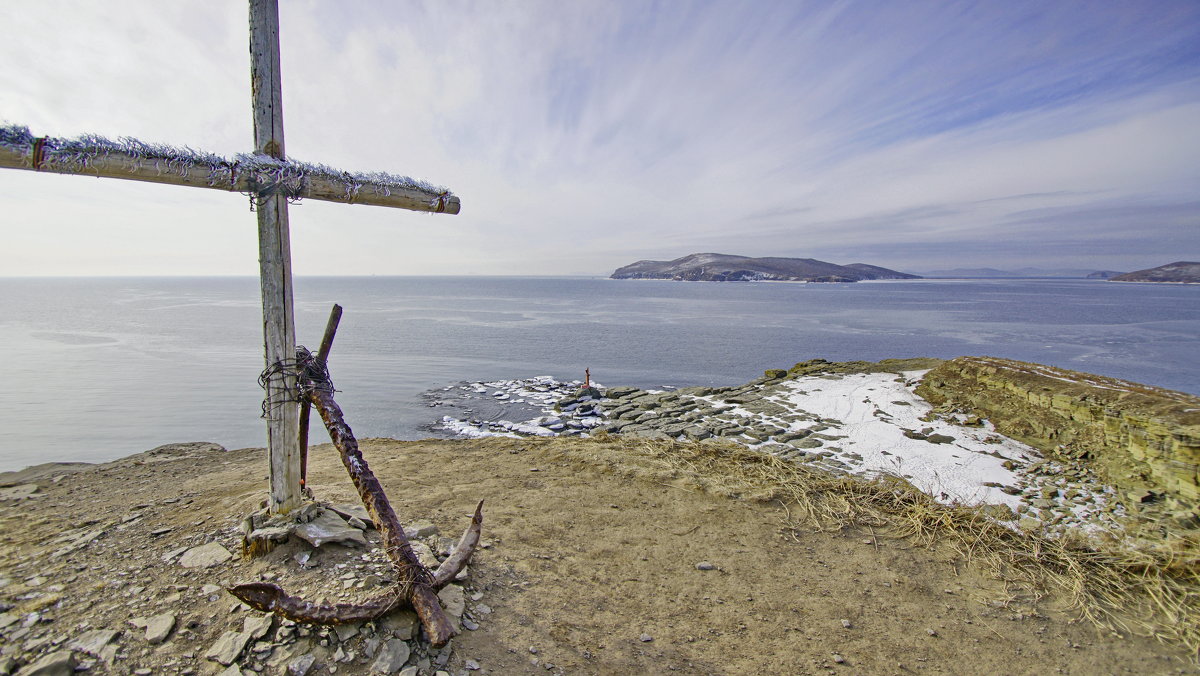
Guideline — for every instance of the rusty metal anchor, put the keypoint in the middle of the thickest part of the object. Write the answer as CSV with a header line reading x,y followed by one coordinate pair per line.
x,y
416,586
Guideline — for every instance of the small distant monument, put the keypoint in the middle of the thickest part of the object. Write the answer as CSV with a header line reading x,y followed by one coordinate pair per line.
x,y
587,390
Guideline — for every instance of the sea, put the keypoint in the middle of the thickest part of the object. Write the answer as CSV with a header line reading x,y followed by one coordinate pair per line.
x,y
100,368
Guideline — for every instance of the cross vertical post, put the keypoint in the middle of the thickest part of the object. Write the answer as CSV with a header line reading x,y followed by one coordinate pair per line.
x,y
271,179
275,264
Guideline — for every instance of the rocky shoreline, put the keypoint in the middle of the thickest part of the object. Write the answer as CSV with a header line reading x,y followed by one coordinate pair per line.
x,y
1039,492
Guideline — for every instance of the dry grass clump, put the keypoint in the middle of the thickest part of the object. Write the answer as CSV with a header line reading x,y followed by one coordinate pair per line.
x,y
1120,582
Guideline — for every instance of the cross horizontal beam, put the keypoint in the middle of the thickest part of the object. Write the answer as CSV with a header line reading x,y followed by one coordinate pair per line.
x,y
250,174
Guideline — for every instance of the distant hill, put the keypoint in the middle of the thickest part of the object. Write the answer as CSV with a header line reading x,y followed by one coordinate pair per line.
x,y
1104,274
1181,272
992,273
714,267
970,273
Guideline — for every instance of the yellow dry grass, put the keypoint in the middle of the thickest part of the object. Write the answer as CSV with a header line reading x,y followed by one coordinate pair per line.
x,y
1125,582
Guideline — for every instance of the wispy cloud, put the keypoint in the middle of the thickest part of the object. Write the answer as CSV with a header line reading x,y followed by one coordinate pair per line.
x,y
583,135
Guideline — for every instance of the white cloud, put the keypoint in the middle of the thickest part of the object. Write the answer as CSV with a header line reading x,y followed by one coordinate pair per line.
x,y
583,135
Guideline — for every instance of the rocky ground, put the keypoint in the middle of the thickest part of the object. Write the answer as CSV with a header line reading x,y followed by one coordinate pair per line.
x,y
589,565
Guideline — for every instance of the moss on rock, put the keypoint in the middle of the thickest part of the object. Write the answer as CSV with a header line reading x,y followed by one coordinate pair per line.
x,y
1135,436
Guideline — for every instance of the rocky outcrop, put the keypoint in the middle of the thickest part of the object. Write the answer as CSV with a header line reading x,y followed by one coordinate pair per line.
x,y
1136,437
1181,272
714,267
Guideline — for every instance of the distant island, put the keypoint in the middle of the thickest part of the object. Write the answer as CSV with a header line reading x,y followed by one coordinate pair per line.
x,y
714,267
1020,273
1180,272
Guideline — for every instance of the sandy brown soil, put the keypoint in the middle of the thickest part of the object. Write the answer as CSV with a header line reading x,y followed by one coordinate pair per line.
x,y
584,562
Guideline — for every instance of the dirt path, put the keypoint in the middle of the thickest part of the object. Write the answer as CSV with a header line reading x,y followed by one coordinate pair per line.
x,y
587,570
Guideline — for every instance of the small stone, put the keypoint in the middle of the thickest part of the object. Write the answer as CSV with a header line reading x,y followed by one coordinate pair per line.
x,y
205,556
471,665
839,659
931,632
159,627
705,565
453,601
425,555
142,672
257,627
645,638
392,656
108,654
410,671
345,632
420,529
402,624
846,624
301,665
1029,524
469,625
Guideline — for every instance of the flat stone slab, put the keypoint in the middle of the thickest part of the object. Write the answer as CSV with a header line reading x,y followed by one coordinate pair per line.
x,y
391,657
329,527
349,510
205,556
19,492
93,642
41,472
455,603
257,626
228,647
61,663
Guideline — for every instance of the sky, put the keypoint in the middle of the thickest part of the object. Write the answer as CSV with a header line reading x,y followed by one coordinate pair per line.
x,y
582,136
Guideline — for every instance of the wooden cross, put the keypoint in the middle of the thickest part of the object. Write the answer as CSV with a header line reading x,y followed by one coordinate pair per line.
x,y
271,180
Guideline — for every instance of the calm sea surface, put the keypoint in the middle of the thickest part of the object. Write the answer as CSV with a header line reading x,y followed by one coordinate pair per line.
x,y
101,368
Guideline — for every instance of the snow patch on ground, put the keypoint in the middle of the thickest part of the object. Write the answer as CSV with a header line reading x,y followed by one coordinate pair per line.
x,y
872,411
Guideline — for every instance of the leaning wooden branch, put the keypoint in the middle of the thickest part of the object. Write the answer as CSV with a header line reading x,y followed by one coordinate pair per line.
x,y
416,586
335,317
